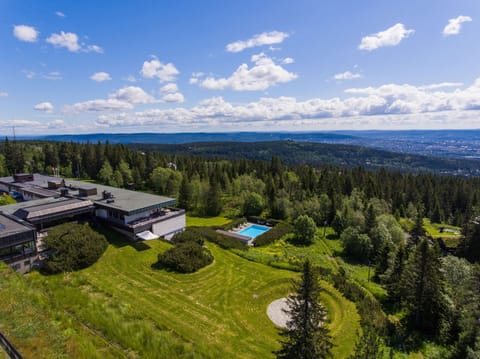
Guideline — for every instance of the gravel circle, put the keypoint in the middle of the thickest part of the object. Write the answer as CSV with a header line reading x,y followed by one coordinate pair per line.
x,y
275,312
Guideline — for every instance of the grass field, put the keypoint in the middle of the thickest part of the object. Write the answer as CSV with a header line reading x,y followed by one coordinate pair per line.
x,y
207,221
121,307
323,252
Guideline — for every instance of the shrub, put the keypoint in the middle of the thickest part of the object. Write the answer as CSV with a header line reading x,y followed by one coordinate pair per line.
x,y
273,234
73,246
222,241
188,235
186,257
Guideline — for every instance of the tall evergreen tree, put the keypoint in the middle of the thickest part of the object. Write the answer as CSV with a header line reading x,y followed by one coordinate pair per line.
x,y
213,206
306,336
184,195
424,288
468,345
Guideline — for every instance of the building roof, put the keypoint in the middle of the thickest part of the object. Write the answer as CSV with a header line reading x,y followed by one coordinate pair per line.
x,y
62,207
10,227
122,200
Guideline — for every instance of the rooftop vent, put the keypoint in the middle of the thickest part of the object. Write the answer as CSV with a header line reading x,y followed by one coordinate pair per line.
x,y
56,184
85,192
107,195
64,192
23,177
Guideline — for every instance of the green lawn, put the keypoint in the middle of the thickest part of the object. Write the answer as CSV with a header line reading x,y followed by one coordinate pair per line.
x,y
121,307
323,252
206,221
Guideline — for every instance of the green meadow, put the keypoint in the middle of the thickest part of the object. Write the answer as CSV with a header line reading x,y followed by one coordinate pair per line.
x,y
122,307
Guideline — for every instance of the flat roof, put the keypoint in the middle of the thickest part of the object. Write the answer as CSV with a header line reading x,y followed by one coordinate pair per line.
x,y
8,226
61,206
123,200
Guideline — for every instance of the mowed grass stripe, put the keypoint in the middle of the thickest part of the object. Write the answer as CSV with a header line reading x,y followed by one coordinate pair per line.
x,y
214,306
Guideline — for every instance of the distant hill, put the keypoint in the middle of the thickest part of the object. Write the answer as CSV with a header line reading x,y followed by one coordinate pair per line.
x,y
438,143
173,138
292,152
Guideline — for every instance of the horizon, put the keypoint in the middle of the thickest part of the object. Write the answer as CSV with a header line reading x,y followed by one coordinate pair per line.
x,y
229,68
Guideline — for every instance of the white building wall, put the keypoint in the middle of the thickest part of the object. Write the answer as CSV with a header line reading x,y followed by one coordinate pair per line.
x,y
171,225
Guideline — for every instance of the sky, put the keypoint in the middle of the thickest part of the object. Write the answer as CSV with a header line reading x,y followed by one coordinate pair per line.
x,y
221,66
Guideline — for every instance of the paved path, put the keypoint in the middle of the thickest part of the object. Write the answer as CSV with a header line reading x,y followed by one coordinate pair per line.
x,y
276,314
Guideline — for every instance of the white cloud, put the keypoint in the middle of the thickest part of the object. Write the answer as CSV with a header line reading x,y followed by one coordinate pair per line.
x,y
19,123
44,107
173,97
52,75
28,74
169,88
264,74
125,99
3,94
69,40
60,14
455,25
441,85
347,75
195,77
288,60
154,68
110,104
130,78
388,105
390,37
100,76
93,48
265,38
132,95
25,33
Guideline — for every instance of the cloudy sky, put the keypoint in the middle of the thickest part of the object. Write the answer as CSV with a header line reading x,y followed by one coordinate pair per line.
x,y
214,66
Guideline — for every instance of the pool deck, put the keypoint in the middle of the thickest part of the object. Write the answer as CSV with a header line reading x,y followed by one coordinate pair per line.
x,y
234,234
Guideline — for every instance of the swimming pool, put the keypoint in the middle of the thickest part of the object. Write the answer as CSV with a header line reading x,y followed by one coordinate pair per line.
x,y
254,231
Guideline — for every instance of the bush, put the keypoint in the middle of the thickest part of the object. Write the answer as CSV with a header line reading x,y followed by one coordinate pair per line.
x,y
273,234
73,246
186,257
222,241
188,235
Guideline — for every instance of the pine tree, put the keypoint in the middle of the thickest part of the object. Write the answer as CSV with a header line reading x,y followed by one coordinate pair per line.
x,y
468,345
423,287
184,195
394,274
214,205
306,336
418,232
369,345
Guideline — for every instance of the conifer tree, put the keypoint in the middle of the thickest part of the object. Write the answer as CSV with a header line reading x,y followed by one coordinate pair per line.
x,y
184,195
306,335
423,287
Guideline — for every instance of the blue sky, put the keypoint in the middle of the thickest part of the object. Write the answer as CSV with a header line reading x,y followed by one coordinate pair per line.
x,y
186,66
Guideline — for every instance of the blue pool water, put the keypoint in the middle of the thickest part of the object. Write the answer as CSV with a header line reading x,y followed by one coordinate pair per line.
x,y
254,231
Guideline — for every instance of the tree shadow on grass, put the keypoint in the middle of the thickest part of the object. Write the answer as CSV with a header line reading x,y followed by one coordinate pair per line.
x,y
140,246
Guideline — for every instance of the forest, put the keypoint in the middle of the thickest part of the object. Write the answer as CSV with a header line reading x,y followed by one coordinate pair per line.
x,y
378,217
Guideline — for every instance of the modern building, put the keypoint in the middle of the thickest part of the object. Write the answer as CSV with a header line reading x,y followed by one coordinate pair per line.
x,y
45,201
17,243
